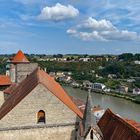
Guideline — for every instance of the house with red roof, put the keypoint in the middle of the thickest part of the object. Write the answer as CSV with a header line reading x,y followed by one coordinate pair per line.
x,y
5,81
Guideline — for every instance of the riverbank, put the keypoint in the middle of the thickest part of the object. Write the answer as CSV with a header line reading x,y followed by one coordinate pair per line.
x,y
119,95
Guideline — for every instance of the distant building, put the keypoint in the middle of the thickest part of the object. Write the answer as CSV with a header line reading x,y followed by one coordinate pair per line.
x,y
98,86
75,84
137,62
122,89
136,91
111,76
130,80
84,59
87,84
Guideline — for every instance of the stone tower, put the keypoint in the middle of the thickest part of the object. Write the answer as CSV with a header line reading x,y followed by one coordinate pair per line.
x,y
20,67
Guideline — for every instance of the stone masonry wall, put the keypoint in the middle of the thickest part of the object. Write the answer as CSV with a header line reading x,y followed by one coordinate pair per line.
x,y
25,113
52,133
22,70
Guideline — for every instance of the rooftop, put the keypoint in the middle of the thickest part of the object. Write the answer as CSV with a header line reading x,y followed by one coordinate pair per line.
x,y
20,58
26,86
114,127
5,80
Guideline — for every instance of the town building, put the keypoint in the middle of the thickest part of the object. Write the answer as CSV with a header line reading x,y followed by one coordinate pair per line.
x,y
122,89
137,62
136,91
87,84
5,81
98,86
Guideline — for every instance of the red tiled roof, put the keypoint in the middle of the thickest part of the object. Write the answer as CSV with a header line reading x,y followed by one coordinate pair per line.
x,y
27,85
5,80
20,58
115,128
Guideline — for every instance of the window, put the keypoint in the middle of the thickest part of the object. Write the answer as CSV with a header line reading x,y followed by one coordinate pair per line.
x,y
41,117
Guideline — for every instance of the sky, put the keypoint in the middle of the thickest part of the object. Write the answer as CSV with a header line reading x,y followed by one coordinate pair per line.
x,y
70,26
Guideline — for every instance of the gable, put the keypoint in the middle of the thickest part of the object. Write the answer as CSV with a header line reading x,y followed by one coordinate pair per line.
x,y
27,85
40,98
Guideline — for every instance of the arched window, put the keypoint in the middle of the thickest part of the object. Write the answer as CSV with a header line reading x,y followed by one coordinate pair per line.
x,y
41,117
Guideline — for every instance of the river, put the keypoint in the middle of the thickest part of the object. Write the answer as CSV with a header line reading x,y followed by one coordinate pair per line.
x,y
125,108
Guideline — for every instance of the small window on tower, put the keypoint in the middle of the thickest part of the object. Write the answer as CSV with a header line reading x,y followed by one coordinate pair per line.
x,y
41,117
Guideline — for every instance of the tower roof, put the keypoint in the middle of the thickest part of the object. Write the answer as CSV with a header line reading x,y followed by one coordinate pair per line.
x,y
20,58
27,85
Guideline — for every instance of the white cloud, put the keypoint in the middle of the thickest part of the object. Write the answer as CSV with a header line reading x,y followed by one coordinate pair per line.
x,y
102,30
58,12
97,25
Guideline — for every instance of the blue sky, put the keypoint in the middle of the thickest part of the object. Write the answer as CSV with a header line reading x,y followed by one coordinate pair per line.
x,y
70,26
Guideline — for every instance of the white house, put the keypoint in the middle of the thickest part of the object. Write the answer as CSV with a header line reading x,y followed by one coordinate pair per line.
x,y
137,62
98,86
136,91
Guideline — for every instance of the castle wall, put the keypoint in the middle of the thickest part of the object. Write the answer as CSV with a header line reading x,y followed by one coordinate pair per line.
x,y
22,70
25,113
50,133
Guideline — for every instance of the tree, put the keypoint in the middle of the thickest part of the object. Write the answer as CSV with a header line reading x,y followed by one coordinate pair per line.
x,y
126,56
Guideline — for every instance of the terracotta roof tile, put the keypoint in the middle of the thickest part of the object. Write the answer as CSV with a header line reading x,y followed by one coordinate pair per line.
x,y
20,58
5,80
114,127
27,85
